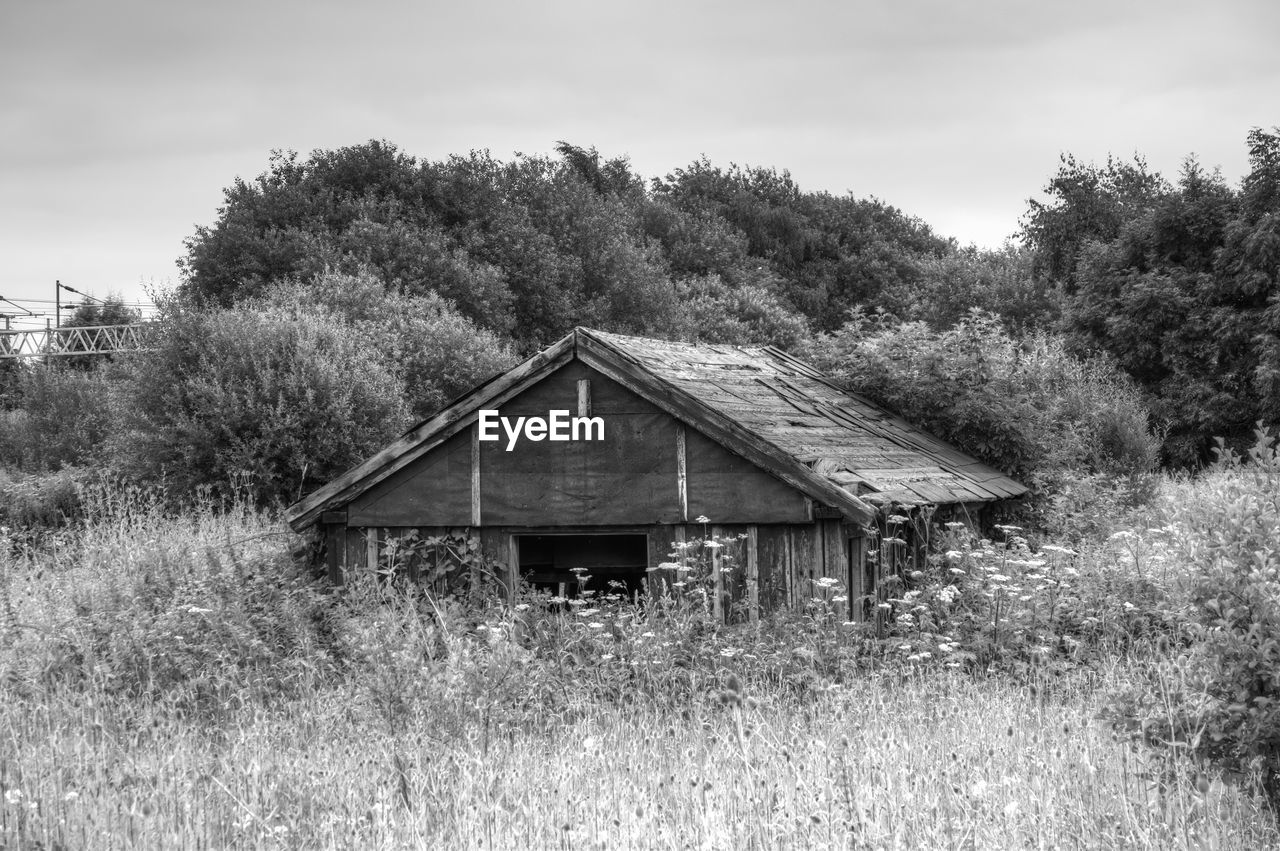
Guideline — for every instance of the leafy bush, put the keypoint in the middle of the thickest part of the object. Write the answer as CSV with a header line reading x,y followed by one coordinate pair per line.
x,y
1026,407
434,351
750,314
1008,605
36,502
201,611
1221,699
60,417
287,402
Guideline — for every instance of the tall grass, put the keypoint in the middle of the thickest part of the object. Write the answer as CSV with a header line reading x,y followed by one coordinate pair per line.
x,y
177,681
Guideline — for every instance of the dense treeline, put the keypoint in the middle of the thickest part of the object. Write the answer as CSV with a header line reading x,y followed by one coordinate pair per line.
x,y
339,296
1179,282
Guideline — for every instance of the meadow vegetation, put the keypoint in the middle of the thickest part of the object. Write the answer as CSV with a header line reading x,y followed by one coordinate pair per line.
x,y
180,679
1105,673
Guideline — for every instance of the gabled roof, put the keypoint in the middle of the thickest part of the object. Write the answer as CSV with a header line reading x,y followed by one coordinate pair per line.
x,y
772,409
839,434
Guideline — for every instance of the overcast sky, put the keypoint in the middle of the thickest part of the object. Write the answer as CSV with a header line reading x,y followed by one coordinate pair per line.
x,y
121,122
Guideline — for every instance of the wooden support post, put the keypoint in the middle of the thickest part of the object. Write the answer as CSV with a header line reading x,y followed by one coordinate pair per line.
x,y
717,603
857,577
333,544
753,574
789,567
681,535
584,397
475,475
371,549
513,566
682,477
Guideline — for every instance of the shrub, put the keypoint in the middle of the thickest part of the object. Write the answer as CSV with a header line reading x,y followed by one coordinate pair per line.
x,y
38,502
435,351
60,417
202,611
1222,698
284,401
1026,407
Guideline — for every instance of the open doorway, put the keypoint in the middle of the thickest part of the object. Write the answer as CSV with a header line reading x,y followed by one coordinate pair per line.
x,y
556,563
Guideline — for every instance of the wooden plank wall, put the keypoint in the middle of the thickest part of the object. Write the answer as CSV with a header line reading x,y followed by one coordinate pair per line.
x,y
763,568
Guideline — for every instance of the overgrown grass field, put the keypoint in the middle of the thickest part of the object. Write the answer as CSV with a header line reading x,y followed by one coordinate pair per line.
x,y
178,681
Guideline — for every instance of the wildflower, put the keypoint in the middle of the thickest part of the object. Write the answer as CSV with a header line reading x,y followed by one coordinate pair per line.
x,y
712,545
702,518
12,796
1054,548
596,625
840,598
558,600
605,657
646,635
827,581
896,519
998,577
522,607
954,524
586,613
884,607
953,554
894,541
669,565
71,796
196,610
1129,607
957,571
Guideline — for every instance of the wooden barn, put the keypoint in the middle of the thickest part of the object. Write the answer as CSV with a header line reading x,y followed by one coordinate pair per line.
x,y
625,444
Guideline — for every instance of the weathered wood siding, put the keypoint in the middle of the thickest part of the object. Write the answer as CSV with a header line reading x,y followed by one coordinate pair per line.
x,y
632,477
762,567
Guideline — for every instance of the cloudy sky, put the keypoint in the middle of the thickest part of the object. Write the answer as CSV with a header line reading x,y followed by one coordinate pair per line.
x,y
121,122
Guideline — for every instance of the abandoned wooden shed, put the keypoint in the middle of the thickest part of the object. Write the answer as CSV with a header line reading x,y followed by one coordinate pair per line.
x,y
625,444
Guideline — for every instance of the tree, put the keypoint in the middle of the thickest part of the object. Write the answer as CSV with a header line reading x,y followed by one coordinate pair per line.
x,y
1177,282
282,402
421,340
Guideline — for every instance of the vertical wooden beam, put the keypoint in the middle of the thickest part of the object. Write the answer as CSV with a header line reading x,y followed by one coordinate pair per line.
x,y
717,578
513,566
835,562
475,475
584,397
753,574
789,566
682,475
333,545
371,548
857,576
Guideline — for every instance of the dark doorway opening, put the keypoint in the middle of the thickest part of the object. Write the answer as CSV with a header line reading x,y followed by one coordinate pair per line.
x,y
565,565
